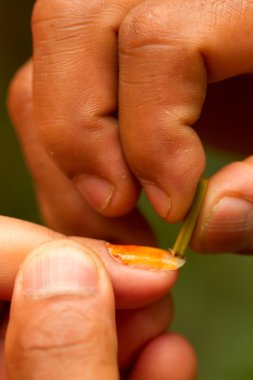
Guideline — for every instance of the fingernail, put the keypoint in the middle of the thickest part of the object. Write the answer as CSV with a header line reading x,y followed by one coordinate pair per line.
x,y
60,271
97,191
145,257
230,224
160,201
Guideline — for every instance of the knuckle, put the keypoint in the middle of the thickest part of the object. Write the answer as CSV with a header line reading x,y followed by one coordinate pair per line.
x,y
56,22
147,24
65,144
137,29
52,139
20,92
66,14
51,10
58,333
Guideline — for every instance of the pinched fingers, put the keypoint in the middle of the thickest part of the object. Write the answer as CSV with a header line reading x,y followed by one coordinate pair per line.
x,y
133,287
168,53
62,321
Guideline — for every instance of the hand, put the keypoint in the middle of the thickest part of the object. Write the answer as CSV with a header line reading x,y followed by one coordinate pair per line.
x,y
168,53
62,321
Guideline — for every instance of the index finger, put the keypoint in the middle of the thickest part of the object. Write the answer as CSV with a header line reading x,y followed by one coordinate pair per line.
x,y
75,98
133,286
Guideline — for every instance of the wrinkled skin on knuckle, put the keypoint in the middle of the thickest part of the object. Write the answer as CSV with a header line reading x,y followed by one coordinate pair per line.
x,y
55,140
58,331
70,18
67,145
180,151
137,30
53,10
149,24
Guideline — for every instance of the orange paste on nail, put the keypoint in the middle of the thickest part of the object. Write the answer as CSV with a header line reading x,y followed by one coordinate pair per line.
x,y
146,257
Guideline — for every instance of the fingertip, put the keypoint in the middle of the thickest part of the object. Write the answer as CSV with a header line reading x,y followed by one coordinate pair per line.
x,y
170,356
139,326
170,178
107,198
133,286
138,287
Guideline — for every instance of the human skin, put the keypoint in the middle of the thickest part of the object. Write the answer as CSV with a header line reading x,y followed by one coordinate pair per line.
x,y
151,63
137,297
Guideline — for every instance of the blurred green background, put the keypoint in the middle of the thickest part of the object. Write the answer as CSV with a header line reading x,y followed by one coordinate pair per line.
x,y
213,297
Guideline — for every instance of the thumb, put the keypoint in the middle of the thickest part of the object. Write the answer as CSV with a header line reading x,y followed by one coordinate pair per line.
x,y
62,317
226,221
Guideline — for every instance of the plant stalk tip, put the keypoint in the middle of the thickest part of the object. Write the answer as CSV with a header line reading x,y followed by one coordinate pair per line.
x,y
187,228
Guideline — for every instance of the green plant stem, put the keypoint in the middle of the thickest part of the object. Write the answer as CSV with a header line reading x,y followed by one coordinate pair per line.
x,y
186,230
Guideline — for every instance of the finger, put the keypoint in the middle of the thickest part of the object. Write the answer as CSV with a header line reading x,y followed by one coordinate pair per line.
x,y
165,64
62,322
133,286
62,207
226,220
137,327
169,356
75,50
